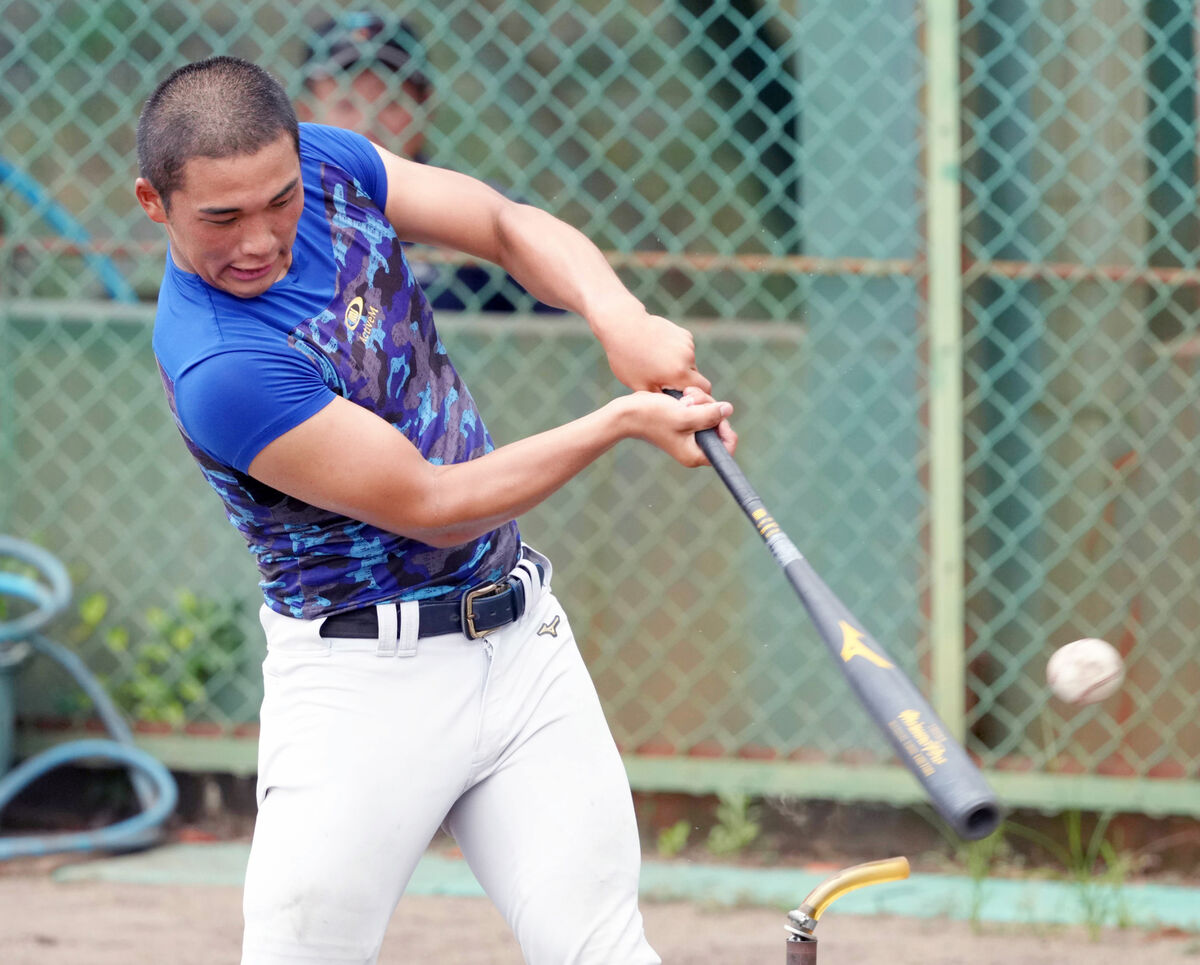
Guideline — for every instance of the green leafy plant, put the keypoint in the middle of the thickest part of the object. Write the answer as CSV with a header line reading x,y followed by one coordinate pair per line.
x,y
737,825
167,673
1096,866
674,839
981,858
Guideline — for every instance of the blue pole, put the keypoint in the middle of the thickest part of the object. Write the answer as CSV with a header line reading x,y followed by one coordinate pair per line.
x,y
59,219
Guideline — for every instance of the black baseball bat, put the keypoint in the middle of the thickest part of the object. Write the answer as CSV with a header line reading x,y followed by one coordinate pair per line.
x,y
951,779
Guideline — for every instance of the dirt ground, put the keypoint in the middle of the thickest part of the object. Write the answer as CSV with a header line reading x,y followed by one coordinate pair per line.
x,y
48,922
44,922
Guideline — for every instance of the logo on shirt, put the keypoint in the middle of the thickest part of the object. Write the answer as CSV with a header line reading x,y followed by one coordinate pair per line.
x,y
374,316
353,314
549,629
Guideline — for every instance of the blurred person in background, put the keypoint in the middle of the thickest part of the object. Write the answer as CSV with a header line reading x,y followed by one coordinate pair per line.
x,y
371,75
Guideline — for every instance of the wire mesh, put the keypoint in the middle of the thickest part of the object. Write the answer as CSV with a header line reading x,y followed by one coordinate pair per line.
x,y
756,170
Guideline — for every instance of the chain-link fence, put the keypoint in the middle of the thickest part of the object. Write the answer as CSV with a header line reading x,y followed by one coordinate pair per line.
x,y
766,174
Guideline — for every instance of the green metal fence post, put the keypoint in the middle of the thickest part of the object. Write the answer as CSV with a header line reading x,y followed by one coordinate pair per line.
x,y
945,362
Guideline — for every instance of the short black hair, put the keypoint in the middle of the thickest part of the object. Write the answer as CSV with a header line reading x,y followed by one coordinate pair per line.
x,y
220,107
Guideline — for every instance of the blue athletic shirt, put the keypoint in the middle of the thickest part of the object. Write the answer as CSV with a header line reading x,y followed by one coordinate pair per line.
x,y
348,319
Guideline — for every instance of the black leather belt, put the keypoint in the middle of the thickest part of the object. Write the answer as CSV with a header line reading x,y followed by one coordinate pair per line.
x,y
476,613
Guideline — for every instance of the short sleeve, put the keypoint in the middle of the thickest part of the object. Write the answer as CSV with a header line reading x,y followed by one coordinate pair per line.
x,y
233,404
350,151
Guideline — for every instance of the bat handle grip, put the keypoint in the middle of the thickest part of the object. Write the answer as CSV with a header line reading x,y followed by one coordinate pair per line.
x,y
714,449
707,439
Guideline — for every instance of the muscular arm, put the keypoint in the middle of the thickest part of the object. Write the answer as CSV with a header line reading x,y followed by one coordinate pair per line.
x,y
376,475
553,260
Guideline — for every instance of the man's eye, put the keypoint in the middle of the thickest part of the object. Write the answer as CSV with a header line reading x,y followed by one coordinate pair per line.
x,y
286,201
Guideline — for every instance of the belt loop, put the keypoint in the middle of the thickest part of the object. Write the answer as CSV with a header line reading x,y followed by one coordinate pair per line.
x,y
532,558
527,575
410,628
385,620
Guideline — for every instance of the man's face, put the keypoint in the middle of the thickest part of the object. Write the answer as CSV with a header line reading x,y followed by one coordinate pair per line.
x,y
233,220
365,102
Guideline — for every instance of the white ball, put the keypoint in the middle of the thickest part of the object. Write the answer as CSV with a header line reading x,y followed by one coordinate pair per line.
x,y
1085,672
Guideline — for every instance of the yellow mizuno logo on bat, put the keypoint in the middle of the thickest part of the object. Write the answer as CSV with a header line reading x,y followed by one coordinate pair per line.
x,y
853,646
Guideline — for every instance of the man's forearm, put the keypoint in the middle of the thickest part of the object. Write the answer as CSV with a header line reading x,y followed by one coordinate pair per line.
x,y
562,267
389,484
469,499
559,265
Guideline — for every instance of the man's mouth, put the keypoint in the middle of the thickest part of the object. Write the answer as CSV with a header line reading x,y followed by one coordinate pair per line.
x,y
250,274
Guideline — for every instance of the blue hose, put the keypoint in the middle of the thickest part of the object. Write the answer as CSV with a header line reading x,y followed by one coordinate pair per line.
x,y
152,782
113,721
49,598
139,831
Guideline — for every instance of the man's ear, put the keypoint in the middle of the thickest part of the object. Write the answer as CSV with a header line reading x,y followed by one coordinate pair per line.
x,y
150,200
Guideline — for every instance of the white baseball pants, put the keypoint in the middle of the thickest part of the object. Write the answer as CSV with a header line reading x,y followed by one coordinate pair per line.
x,y
368,746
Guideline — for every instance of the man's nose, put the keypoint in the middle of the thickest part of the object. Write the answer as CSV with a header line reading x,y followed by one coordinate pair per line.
x,y
258,238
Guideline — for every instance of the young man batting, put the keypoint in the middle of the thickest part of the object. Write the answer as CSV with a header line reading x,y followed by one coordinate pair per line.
x,y
419,670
